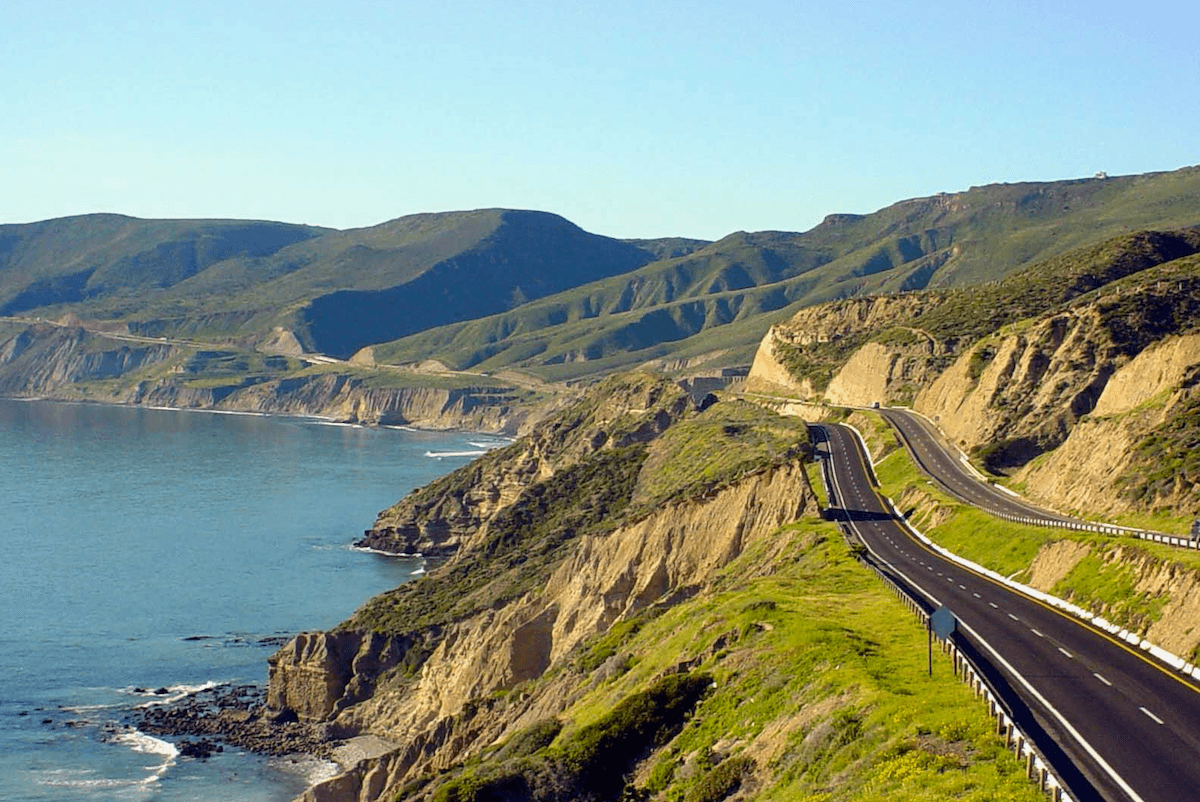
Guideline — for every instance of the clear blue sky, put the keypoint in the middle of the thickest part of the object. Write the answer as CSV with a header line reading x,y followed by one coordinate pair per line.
x,y
630,119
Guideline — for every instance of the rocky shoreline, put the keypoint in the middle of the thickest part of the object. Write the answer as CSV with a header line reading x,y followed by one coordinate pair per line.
x,y
234,715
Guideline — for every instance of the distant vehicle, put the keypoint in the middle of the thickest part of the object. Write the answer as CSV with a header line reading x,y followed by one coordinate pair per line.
x,y
874,405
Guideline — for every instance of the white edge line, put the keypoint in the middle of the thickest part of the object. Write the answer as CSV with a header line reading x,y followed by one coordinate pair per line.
x,y
1100,761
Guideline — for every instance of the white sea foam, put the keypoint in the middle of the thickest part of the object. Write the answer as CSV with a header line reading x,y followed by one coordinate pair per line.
x,y
135,740
84,709
488,446
419,571
174,693
440,454
139,741
416,555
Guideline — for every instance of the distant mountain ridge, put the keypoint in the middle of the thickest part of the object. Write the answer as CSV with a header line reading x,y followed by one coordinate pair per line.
x,y
719,300
336,289
491,290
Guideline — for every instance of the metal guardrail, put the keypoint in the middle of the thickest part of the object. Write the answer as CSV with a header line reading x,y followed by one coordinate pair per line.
x,y
1037,768
1104,529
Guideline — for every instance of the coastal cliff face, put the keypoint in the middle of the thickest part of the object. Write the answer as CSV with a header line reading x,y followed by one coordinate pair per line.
x,y
1032,388
823,352
1092,404
69,363
435,521
489,643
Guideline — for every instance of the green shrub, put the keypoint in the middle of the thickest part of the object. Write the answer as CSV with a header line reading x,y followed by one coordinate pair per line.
x,y
721,781
531,739
600,754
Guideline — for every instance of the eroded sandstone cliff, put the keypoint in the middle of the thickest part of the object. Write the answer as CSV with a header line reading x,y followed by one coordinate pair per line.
x,y
1091,364
516,599
70,363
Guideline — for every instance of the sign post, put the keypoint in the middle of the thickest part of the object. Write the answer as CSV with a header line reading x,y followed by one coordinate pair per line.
x,y
942,623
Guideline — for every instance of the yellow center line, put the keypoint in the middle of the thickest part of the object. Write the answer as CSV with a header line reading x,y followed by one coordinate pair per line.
x,y
1078,622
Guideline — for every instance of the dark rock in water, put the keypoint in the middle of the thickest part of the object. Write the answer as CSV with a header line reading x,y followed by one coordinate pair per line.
x,y
235,715
161,692
202,749
140,690
47,721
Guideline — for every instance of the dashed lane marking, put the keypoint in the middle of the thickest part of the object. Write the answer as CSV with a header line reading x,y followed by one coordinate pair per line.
x,y
1102,679
1156,719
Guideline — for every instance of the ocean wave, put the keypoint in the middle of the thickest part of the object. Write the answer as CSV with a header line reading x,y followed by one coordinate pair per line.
x,y
416,555
89,783
174,693
489,446
440,454
135,740
85,709
139,741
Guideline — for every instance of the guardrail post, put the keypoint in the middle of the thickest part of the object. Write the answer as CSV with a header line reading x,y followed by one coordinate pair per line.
x,y
1029,765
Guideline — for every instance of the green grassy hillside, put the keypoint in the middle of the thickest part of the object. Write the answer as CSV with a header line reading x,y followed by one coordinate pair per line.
x,y
722,297
337,290
494,289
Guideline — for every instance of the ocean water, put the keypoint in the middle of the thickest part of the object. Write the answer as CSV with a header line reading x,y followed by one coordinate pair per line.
x,y
146,549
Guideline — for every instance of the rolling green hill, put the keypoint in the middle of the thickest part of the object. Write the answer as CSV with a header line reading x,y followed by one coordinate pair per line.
x,y
493,289
336,290
74,260
720,299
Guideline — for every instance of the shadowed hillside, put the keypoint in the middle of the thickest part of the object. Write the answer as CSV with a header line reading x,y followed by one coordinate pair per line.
x,y
718,300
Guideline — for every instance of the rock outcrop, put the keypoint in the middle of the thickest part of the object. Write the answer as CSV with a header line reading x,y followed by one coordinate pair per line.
x,y
483,646
70,363
658,560
822,351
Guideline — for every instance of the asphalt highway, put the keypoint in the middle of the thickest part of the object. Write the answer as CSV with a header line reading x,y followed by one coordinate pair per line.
x,y
953,475
1127,727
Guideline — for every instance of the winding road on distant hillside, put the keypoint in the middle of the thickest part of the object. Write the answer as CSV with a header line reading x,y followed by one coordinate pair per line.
x,y
954,475
1124,724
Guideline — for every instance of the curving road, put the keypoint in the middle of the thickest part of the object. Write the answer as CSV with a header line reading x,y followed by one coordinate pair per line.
x,y
1127,728
953,475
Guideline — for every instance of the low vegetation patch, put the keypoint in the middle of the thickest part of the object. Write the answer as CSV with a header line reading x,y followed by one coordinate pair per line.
x,y
803,679
716,447
1107,579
